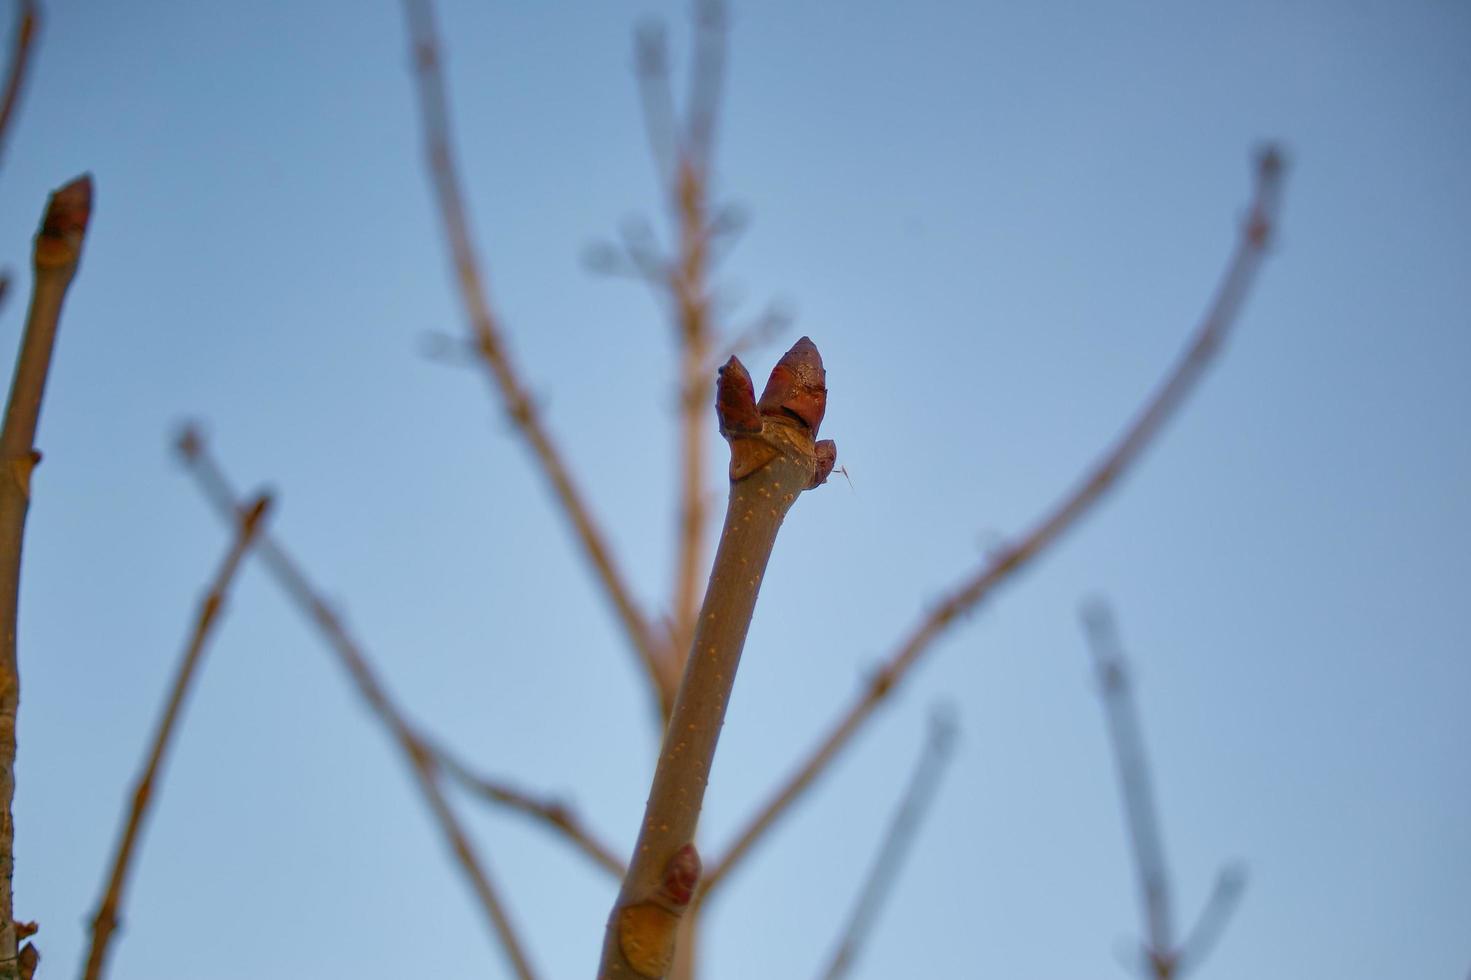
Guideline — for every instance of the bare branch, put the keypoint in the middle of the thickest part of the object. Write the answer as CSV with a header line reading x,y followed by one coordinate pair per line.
x,y
106,919
1165,960
1203,345
1224,897
707,76
27,17
1134,784
651,68
902,831
486,331
308,600
551,813
56,252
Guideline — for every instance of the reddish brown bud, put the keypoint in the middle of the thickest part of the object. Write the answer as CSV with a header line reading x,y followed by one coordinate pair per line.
x,y
59,242
797,388
681,875
827,457
735,400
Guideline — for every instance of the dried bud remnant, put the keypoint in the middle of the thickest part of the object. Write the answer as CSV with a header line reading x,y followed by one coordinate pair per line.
x,y
797,388
646,931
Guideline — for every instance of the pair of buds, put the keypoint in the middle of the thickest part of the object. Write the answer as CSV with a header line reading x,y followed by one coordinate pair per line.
x,y
795,395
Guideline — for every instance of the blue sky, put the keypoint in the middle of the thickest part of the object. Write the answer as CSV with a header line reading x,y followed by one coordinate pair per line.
x,y
999,222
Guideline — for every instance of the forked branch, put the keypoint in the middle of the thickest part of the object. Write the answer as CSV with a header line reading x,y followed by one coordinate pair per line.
x,y
1255,235
485,330
901,834
106,919
1165,960
354,660
774,457
550,813
57,250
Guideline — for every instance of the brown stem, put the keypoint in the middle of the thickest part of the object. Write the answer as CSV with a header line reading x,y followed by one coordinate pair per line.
x,y
486,332
1104,474
58,248
901,834
20,60
773,459
106,919
550,813
354,660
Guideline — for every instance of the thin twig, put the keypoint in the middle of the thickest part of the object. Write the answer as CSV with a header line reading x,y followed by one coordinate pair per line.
x,y
1206,341
689,195
651,69
901,834
707,77
1224,897
486,332
1135,786
20,60
1165,960
550,813
308,600
106,919
57,250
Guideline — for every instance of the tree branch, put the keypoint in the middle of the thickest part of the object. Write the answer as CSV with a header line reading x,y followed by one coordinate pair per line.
x,y
551,813
106,919
901,834
58,249
1165,959
773,459
1134,784
486,332
20,60
308,600
1203,345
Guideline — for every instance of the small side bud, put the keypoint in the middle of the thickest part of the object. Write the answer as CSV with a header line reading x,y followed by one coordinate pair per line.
x,y
681,875
826,452
797,388
646,931
735,400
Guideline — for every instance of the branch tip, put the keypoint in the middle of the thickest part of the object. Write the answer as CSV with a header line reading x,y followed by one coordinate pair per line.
x,y
190,443
59,242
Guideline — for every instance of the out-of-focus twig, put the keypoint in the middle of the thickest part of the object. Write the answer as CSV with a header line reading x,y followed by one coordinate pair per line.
x,y
489,343
1165,959
293,581
106,919
900,836
1207,340
56,252
26,17
1230,883
551,813
688,189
